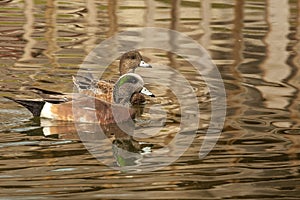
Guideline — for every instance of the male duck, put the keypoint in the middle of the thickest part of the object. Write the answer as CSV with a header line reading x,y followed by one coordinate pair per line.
x,y
98,88
89,109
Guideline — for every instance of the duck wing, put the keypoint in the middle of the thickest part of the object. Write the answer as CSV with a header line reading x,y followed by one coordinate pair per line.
x,y
100,89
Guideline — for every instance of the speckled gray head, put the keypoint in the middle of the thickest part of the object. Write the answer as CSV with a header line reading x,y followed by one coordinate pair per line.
x,y
126,86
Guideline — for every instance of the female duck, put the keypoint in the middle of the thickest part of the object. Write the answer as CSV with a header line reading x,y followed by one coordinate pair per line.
x,y
99,88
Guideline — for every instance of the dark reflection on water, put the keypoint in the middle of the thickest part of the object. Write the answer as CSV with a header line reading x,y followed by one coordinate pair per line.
x,y
253,43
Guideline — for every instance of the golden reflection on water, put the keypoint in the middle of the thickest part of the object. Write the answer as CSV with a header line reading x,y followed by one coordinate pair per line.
x,y
275,70
255,46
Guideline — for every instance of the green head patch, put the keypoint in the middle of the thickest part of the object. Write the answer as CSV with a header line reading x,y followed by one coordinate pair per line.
x,y
127,79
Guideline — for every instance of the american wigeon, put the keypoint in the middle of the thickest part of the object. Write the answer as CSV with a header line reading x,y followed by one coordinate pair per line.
x,y
89,109
129,61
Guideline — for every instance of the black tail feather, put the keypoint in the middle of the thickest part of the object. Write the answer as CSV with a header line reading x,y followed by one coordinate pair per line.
x,y
34,106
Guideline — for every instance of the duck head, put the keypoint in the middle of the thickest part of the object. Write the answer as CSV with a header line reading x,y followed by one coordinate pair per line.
x,y
127,85
130,61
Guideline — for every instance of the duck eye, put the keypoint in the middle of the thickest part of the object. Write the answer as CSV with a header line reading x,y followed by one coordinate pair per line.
x,y
133,57
133,80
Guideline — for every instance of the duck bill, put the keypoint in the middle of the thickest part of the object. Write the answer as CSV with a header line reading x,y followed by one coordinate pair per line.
x,y
144,64
145,91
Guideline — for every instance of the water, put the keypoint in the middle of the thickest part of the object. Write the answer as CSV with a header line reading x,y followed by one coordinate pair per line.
x,y
255,47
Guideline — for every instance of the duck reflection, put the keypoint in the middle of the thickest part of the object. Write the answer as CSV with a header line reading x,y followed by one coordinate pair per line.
x,y
112,142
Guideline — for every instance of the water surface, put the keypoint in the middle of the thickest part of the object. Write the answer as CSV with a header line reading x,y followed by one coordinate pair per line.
x,y
255,47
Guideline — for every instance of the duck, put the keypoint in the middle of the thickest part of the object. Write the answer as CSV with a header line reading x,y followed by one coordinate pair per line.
x,y
129,61
88,109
